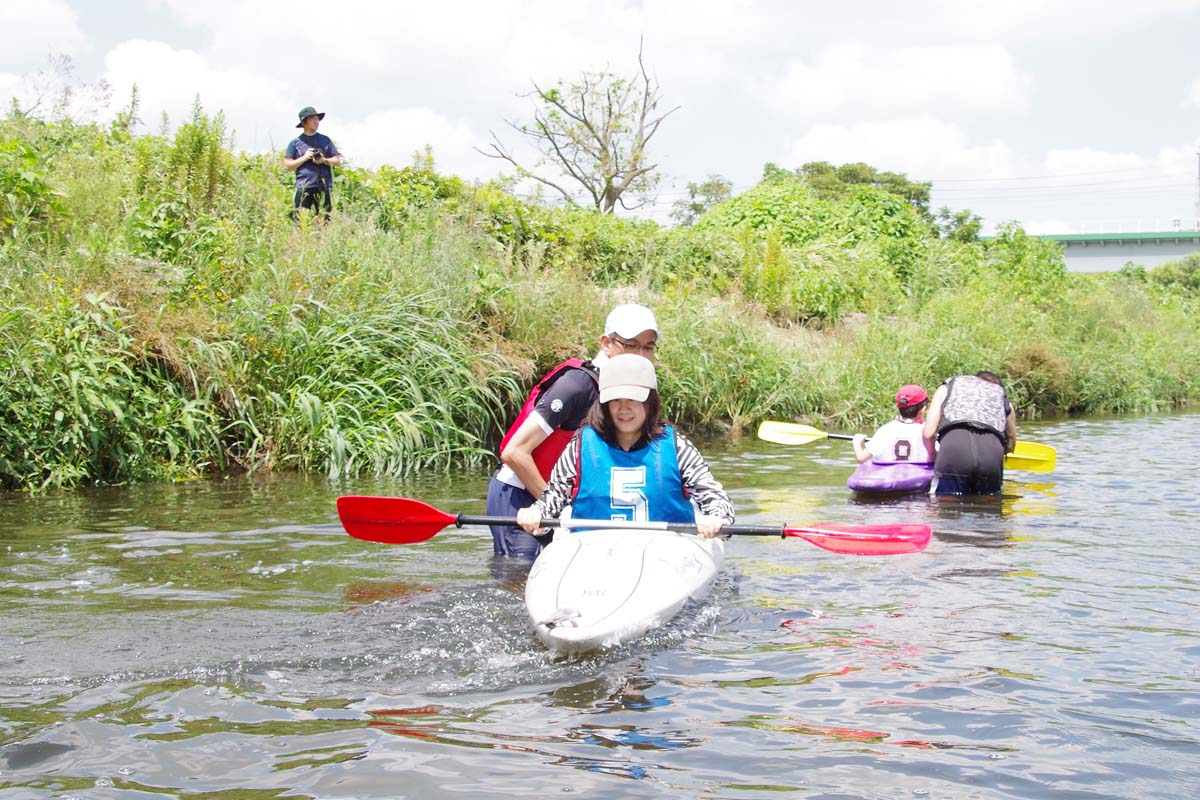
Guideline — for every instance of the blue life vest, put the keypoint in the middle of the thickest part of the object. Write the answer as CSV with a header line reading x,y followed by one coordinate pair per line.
x,y
642,485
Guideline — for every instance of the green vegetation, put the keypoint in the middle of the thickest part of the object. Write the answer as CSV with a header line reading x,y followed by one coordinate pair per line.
x,y
163,319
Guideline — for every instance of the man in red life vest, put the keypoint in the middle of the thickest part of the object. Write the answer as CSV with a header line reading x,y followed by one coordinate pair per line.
x,y
549,418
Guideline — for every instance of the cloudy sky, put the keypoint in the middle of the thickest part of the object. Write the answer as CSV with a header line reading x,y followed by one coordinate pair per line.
x,y
1066,115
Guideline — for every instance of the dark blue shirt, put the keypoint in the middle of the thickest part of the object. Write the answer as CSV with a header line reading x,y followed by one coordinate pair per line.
x,y
308,174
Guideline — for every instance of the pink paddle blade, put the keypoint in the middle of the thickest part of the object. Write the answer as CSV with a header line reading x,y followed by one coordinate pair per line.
x,y
865,540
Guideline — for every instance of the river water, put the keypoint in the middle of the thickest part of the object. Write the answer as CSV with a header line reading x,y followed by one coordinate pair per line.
x,y
228,640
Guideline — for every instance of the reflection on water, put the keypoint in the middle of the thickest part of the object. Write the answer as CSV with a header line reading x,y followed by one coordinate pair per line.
x,y
228,639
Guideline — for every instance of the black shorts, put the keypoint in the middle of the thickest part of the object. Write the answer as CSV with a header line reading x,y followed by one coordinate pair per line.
x,y
313,197
968,462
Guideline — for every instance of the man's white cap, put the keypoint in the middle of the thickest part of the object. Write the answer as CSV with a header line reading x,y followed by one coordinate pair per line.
x,y
627,376
630,320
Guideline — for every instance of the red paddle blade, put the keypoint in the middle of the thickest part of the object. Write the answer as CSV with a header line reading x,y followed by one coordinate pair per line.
x,y
864,540
390,520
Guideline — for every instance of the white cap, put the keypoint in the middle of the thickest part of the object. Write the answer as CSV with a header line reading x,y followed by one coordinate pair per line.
x,y
630,320
628,376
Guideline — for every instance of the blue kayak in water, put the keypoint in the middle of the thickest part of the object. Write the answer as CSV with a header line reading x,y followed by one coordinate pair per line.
x,y
897,476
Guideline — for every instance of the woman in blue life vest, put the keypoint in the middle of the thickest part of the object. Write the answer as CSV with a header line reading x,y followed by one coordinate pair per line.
x,y
553,413
974,425
628,464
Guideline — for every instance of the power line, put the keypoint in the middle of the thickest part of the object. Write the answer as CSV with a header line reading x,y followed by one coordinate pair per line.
x,y
1179,189
1045,177
1120,181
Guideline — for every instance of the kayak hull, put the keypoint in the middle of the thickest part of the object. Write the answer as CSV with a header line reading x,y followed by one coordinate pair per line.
x,y
901,476
596,589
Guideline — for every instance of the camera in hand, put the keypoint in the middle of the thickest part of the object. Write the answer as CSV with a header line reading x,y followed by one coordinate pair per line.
x,y
317,155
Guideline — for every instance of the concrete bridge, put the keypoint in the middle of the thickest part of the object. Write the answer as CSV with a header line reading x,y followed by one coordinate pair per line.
x,y
1108,252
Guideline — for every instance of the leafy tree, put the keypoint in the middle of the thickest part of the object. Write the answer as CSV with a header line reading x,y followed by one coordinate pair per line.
x,y
1182,274
960,226
831,183
1029,267
594,133
701,197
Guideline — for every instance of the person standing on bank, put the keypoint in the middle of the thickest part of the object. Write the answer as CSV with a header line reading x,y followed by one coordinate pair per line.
x,y
549,418
974,425
312,156
626,463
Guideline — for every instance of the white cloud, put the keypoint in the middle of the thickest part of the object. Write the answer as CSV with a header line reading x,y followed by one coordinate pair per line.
x,y
854,81
263,115
426,41
922,147
1182,156
1014,21
36,29
1081,160
393,136
10,86
169,80
1036,227
477,57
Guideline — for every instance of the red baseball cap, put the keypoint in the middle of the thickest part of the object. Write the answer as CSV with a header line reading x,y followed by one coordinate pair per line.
x,y
910,395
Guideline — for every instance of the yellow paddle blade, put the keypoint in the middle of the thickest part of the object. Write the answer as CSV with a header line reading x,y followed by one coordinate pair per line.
x,y
1031,456
789,433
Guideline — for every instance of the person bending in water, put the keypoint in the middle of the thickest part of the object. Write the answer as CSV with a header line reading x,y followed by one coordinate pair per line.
x,y
626,463
974,425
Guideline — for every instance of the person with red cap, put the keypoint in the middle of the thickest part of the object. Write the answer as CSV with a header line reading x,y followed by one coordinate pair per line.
x,y
902,439
554,410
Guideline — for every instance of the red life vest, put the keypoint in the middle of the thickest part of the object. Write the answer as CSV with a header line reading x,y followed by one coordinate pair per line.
x,y
546,454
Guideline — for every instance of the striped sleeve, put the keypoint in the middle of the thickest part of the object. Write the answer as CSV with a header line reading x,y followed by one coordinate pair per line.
x,y
699,482
562,480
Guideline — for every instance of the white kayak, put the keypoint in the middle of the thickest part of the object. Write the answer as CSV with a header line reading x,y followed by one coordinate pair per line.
x,y
593,589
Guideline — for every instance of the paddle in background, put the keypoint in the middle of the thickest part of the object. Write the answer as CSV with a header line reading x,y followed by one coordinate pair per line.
x,y
1027,455
399,520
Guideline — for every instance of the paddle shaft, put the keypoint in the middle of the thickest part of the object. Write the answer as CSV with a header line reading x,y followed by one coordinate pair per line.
x,y
1026,455
401,520
680,527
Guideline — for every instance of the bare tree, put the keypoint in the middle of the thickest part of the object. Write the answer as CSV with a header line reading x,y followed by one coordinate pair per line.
x,y
594,133
54,94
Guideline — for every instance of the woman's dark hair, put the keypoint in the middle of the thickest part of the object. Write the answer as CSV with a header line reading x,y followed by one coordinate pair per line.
x,y
990,377
600,419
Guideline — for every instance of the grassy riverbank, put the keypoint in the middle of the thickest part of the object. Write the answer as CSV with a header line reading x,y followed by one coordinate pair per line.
x,y
162,318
